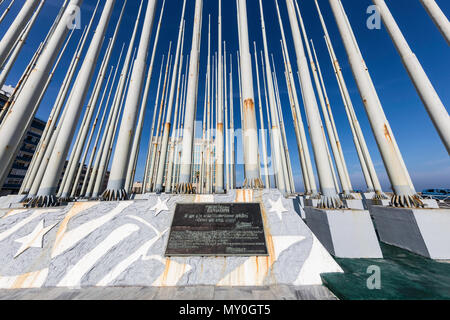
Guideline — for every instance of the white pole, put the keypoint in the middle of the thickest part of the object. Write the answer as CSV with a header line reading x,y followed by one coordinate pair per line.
x,y
168,125
137,139
373,184
433,104
227,133
22,111
185,185
404,195
116,183
100,161
329,197
100,129
232,138
162,103
6,10
262,130
438,17
147,176
219,152
49,184
250,129
277,150
19,45
334,140
15,29
302,143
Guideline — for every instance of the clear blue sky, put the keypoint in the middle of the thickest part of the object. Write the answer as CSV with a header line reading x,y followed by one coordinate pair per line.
x,y
424,154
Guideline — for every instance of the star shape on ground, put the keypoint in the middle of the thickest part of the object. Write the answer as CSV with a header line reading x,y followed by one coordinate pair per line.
x,y
278,208
35,239
160,206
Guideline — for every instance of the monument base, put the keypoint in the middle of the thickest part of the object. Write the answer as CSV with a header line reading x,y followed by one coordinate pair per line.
x,y
123,244
425,232
344,233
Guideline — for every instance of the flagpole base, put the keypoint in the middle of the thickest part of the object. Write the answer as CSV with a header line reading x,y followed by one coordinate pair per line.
x,y
114,195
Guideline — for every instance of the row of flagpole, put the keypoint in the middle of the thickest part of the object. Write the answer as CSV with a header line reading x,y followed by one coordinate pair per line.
x,y
169,162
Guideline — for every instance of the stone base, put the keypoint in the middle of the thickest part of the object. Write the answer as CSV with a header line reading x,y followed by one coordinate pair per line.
x,y
425,232
311,202
11,201
298,205
344,233
354,204
122,244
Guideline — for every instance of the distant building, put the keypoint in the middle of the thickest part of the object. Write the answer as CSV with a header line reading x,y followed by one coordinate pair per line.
x,y
23,159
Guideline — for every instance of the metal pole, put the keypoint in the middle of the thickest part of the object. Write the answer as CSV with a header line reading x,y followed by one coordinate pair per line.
x,y
262,130
22,111
168,182
15,29
168,125
76,153
160,116
110,134
329,198
185,185
438,17
302,143
6,10
333,124
100,162
341,168
250,129
404,195
137,139
232,138
116,183
49,184
276,148
227,133
371,177
219,150
433,104
147,176
18,45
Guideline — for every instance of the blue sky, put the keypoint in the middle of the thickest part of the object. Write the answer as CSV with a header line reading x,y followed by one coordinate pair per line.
x,y
424,154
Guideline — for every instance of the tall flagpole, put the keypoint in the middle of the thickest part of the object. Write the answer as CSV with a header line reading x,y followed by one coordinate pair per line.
x,y
116,184
329,198
404,194
49,184
433,104
168,125
185,185
22,111
250,129
438,17
302,143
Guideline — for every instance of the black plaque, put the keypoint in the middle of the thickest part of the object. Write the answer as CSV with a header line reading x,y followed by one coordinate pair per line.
x,y
217,229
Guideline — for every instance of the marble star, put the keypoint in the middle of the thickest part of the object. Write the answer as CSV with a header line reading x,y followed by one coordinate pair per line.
x,y
160,206
278,208
35,239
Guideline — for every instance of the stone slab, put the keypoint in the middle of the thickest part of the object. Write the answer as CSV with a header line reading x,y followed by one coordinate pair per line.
x,y
344,233
354,204
425,232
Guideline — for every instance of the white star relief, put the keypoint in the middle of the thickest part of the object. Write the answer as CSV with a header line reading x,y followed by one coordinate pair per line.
x,y
35,239
278,208
160,206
